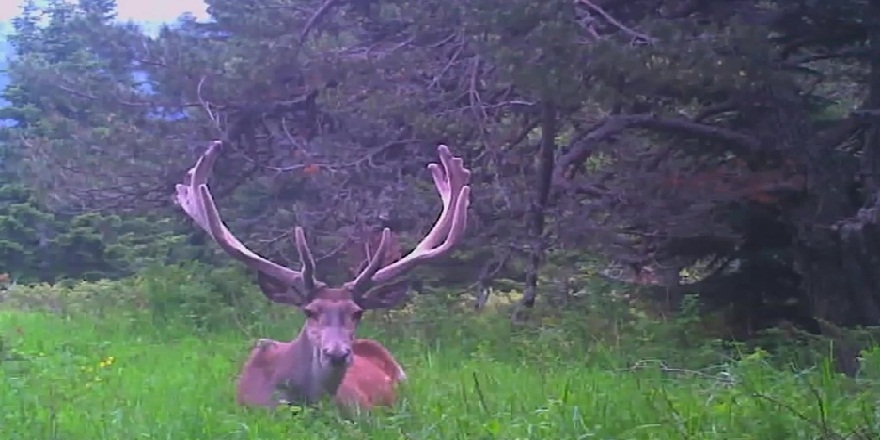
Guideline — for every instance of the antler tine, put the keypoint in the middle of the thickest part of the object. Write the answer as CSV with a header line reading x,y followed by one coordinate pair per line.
x,y
451,182
308,261
363,281
194,197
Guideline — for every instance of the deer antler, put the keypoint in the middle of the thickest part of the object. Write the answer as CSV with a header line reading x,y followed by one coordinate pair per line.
x,y
195,199
363,245
451,182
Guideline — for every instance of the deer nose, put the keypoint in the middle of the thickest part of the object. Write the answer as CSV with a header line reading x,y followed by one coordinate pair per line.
x,y
338,357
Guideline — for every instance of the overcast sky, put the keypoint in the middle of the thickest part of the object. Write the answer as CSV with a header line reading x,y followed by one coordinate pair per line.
x,y
138,10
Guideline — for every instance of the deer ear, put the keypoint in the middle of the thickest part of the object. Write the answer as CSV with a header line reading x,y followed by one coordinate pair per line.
x,y
386,296
279,292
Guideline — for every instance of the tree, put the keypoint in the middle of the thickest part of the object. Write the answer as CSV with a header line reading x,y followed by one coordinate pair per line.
x,y
729,145
672,134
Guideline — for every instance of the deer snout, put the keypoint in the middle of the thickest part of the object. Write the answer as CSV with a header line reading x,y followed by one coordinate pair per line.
x,y
338,356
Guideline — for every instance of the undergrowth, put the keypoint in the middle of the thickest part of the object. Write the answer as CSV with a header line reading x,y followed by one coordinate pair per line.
x,y
155,357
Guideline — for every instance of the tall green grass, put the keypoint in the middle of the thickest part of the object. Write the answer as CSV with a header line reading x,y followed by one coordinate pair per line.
x,y
88,375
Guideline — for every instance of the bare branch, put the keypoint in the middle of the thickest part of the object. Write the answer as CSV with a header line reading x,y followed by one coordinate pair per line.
x,y
635,35
322,11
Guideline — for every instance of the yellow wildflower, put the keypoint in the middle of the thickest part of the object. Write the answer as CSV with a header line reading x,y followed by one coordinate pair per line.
x,y
108,361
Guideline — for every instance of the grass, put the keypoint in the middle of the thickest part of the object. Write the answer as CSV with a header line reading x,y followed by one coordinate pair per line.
x,y
81,378
80,362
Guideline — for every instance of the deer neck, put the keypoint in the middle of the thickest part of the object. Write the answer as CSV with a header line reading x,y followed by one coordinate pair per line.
x,y
308,379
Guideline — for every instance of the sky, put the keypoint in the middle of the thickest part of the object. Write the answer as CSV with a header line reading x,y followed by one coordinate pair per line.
x,y
137,10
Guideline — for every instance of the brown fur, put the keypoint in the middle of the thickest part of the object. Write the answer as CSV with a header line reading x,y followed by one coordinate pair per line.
x,y
371,379
256,383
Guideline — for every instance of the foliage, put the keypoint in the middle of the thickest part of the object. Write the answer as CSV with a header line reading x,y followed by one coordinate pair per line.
x,y
665,134
40,246
21,226
201,296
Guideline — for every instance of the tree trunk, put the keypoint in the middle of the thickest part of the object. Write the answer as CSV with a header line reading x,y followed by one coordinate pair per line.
x,y
538,209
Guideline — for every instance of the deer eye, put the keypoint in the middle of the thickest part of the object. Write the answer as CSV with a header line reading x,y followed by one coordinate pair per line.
x,y
357,315
310,313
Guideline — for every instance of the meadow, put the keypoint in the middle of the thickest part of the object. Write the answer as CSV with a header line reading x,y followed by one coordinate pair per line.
x,y
123,360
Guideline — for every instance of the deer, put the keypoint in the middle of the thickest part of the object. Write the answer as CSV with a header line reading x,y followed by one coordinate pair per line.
x,y
325,360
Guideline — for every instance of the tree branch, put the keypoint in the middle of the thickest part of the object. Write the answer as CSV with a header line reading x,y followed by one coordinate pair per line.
x,y
613,125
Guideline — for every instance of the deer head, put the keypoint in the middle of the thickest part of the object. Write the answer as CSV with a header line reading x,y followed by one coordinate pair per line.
x,y
333,313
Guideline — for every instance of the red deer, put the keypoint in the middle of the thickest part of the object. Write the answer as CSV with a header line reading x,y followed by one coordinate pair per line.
x,y
325,359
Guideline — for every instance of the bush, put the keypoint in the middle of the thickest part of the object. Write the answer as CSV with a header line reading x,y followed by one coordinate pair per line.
x,y
193,295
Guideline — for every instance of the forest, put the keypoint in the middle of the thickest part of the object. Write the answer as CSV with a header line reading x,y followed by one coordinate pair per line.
x,y
673,229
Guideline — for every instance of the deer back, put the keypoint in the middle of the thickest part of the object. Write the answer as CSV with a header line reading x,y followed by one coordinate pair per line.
x,y
373,377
